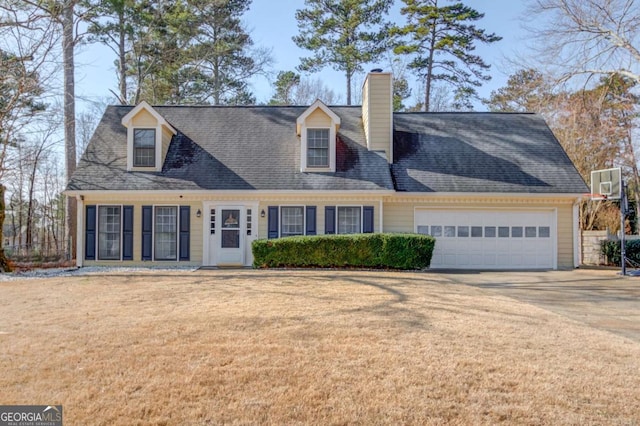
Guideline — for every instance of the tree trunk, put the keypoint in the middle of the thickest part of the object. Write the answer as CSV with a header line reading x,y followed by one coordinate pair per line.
x,y
427,94
68,44
349,74
122,69
4,264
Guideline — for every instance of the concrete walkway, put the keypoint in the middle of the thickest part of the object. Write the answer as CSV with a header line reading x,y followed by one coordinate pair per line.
x,y
599,298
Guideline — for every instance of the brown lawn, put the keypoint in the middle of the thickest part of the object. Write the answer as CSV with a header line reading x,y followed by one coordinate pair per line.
x,y
282,347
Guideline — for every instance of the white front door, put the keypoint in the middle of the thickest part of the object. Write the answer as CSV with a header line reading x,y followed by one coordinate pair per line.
x,y
229,230
227,225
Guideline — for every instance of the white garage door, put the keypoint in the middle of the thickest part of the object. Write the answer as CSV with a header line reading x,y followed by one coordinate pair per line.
x,y
490,239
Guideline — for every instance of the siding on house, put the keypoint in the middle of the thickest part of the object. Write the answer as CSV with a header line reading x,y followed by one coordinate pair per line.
x,y
166,141
320,204
196,202
144,118
318,119
377,112
195,225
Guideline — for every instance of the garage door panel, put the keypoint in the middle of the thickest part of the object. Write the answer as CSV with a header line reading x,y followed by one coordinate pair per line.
x,y
486,239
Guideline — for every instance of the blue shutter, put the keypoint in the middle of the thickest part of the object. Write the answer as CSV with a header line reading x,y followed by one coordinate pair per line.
x,y
147,232
273,222
127,232
367,219
329,220
311,220
90,233
185,225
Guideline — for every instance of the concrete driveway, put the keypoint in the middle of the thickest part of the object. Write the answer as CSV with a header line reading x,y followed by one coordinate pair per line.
x,y
599,298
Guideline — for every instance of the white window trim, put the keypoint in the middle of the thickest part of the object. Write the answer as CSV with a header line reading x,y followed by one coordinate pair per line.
x,y
301,130
97,245
161,123
332,150
304,218
361,207
130,149
153,233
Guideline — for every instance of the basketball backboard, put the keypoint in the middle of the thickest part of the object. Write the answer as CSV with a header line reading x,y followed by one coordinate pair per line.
x,y
605,184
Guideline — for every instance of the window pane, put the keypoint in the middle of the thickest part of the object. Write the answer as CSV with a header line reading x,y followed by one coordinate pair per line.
x,y
530,232
449,231
144,138
436,231
230,219
166,226
516,231
318,147
230,238
476,231
144,147
463,231
349,220
292,221
503,232
423,229
109,233
489,231
544,232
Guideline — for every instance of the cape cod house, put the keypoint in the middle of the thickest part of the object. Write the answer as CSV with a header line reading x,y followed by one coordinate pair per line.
x,y
197,184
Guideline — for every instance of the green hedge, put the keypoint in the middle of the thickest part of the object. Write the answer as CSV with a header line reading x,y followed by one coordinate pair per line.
x,y
395,251
611,250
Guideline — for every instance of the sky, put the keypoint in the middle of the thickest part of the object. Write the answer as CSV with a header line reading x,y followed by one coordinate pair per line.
x,y
272,25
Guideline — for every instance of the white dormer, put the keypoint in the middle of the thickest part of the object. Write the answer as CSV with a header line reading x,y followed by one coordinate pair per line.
x,y
148,138
317,128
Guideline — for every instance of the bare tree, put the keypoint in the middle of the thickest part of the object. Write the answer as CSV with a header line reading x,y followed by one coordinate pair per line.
x,y
24,49
86,123
587,37
62,16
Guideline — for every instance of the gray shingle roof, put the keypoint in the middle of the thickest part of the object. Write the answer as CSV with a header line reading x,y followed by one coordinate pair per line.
x,y
480,152
256,148
231,148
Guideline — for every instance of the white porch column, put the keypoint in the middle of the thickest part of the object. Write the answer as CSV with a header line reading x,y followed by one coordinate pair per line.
x,y
80,230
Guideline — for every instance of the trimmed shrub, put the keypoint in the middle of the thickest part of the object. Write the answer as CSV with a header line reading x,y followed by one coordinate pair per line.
x,y
395,251
611,250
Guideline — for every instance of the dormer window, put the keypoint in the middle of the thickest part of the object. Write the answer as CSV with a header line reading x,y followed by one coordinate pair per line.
x,y
144,147
148,138
318,148
318,128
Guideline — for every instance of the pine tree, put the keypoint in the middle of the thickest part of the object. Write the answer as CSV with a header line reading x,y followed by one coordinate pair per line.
x,y
285,85
441,41
223,57
345,34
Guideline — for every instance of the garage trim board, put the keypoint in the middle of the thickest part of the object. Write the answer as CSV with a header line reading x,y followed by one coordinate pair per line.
x,y
476,238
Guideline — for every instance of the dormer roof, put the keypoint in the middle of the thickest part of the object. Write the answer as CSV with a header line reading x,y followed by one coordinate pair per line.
x,y
318,104
127,120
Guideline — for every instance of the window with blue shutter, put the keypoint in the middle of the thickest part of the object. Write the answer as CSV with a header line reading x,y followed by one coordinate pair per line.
x,y
310,213
367,219
127,233
273,222
330,220
185,225
90,233
147,232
